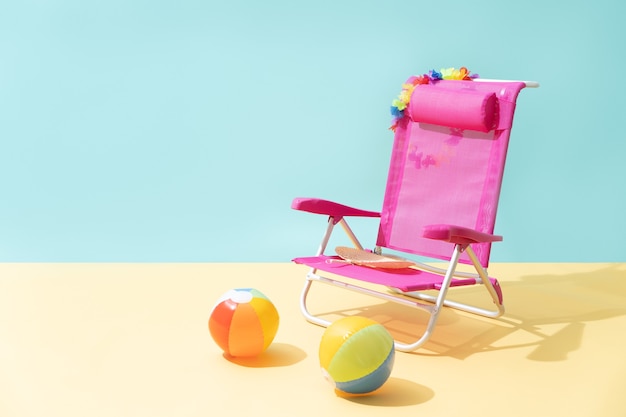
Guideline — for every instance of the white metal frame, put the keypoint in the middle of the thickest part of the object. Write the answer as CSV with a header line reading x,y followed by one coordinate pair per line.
x,y
431,304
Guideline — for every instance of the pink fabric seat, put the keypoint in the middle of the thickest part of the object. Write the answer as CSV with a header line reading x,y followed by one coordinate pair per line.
x,y
406,280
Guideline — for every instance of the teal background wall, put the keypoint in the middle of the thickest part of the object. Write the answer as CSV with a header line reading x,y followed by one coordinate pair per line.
x,y
180,130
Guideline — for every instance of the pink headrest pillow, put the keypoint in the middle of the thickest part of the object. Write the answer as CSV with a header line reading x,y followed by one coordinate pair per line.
x,y
462,109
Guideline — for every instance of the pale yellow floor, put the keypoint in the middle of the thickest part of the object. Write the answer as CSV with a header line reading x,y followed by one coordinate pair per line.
x,y
132,340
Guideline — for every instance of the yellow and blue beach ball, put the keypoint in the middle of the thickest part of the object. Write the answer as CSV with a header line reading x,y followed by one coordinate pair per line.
x,y
244,322
356,355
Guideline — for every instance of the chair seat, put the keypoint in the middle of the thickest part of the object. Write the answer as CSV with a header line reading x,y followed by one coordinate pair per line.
x,y
405,279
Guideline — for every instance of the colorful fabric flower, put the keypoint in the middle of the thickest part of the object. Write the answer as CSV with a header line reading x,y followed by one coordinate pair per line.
x,y
399,104
434,75
457,74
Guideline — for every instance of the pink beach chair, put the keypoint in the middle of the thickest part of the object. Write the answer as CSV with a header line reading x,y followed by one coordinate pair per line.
x,y
440,202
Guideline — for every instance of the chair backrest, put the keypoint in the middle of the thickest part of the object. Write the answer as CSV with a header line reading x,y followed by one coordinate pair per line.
x,y
447,164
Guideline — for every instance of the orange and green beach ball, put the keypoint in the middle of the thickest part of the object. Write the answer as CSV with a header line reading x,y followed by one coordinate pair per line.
x,y
243,322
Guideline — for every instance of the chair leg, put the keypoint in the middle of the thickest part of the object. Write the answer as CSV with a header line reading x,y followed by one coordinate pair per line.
x,y
484,279
435,303
496,295
303,305
433,309
440,302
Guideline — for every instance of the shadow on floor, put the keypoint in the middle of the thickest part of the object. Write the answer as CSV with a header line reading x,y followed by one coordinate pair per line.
x,y
547,313
396,392
277,354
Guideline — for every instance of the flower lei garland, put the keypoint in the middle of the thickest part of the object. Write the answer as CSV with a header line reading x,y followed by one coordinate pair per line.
x,y
399,105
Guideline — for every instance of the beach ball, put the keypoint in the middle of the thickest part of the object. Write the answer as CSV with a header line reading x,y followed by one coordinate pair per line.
x,y
243,322
356,355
